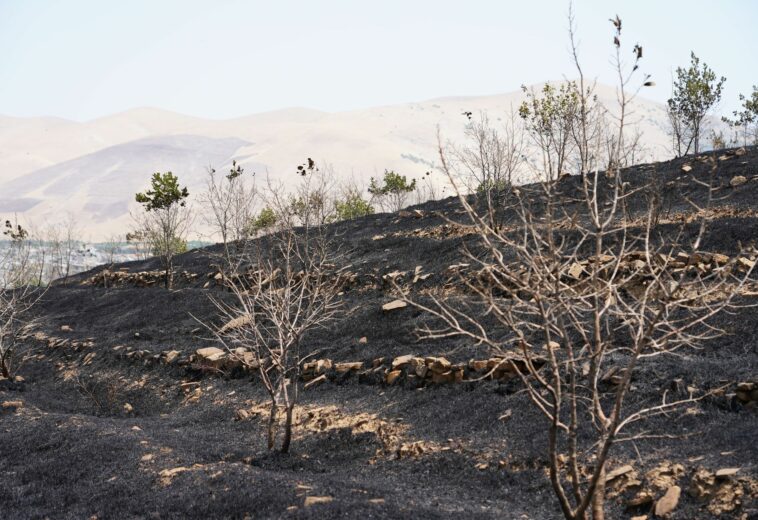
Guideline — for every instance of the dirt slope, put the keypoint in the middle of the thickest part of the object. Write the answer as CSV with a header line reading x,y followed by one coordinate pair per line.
x,y
114,426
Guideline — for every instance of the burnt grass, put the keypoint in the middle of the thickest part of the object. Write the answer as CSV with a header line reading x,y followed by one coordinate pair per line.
x,y
74,451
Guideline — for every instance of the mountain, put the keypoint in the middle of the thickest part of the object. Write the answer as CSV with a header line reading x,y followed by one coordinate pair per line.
x,y
91,169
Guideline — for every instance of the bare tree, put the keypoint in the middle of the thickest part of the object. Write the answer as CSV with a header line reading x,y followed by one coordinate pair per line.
x,y
289,287
585,290
229,209
19,292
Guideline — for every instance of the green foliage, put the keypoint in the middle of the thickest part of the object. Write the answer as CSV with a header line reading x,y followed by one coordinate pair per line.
x,y
234,172
164,192
394,183
353,206
265,220
553,111
177,245
491,186
747,117
696,90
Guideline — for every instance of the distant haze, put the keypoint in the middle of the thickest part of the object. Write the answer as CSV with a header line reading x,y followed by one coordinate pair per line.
x,y
50,167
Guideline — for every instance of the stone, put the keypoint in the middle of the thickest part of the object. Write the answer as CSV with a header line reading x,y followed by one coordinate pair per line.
x,y
393,376
739,152
401,361
170,356
438,365
341,368
623,470
12,405
242,414
128,408
394,305
686,168
745,263
477,365
576,270
210,353
314,500
720,259
363,340
726,472
19,379
443,378
737,180
668,502
66,328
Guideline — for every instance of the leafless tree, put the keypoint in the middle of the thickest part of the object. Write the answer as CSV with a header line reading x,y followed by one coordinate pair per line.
x,y
229,209
289,287
585,290
19,292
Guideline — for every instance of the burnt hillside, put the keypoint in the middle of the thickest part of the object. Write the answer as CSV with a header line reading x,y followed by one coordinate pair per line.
x,y
117,415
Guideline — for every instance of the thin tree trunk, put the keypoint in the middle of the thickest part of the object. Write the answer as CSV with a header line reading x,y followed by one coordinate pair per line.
x,y
272,427
598,500
288,429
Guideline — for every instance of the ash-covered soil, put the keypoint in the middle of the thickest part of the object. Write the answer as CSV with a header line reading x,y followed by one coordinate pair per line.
x,y
107,424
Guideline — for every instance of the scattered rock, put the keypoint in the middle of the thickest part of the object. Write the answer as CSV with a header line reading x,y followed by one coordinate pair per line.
x,y
128,408
726,472
394,305
668,502
401,361
242,414
686,168
313,500
623,470
317,381
12,406
341,368
737,180
363,340
393,376
66,328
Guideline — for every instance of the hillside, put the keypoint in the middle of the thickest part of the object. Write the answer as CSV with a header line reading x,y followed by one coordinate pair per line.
x,y
117,415
50,166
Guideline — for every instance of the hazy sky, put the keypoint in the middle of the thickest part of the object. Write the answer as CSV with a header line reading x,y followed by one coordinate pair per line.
x,y
223,58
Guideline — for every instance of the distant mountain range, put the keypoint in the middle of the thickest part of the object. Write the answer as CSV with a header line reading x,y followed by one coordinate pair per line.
x,y
50,167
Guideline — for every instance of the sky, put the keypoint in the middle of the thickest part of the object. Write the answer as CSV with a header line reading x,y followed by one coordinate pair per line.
x,y
83,59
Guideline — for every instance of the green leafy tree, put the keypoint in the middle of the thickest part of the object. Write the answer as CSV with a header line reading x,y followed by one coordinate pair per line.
x,y
747,118
550,118
394,191
266,219
165,220
353,206
696,90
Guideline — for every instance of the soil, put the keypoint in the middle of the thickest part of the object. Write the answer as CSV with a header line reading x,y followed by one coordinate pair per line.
x,y
471,450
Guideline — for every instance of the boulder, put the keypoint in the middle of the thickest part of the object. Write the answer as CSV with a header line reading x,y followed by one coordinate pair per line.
x,y
341,368
438,365
401,361
737,180
212,354
393,376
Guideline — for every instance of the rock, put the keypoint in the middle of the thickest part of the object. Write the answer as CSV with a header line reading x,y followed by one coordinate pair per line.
x,y
393,376
19,379
313,500
552,345
745,263
477,365
242,414
576,270
737,180
341,368
438,365
727,472
720,259
623,470
12,406
401,361
739,152
668,502
443,378
363,340
377,237
128,408
170,356
66,328
210,353
394,305
686,168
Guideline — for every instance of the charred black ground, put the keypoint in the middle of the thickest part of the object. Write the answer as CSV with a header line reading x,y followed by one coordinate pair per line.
x,y
74,450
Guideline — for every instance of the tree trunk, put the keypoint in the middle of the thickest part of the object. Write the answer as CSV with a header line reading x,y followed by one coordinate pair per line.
x,y
169,273
598,499
288,429
272,427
